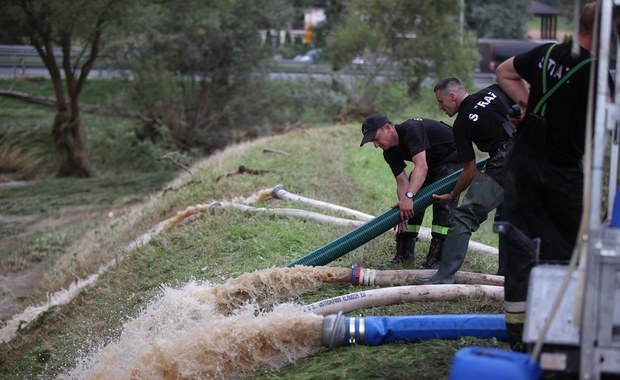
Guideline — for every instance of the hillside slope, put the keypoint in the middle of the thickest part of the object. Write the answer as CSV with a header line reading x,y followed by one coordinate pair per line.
x,y
150,308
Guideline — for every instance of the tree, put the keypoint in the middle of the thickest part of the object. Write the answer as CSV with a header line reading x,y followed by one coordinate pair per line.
x,y
334,14
499,19
196,67
11,33
407,42
76,28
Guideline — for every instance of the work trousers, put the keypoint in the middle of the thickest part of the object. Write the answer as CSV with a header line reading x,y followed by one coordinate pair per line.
x,y
544,200
484,195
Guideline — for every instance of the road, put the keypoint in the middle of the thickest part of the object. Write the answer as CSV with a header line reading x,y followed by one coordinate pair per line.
x,y
23,61
480,80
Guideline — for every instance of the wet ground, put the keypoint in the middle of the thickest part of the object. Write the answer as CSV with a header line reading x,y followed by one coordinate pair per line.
x,y
16,285
22,276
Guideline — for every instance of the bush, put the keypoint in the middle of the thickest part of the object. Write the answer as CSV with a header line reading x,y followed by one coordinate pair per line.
x,y
26,152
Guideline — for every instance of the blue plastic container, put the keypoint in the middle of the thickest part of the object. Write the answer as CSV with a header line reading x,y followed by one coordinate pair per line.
x,y
482,363
615,217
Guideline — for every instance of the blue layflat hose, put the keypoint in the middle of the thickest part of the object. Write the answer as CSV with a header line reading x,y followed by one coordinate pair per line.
x,y
372,331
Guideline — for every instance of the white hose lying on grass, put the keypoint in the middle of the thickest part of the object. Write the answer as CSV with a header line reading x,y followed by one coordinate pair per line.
x,y
280,193
402,294
243,204
303,214
424,233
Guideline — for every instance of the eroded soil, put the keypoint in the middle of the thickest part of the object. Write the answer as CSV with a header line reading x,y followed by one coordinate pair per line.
x,y
22,273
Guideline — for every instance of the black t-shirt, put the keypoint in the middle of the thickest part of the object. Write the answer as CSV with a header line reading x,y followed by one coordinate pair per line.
x,y
566,109
417,135
479,121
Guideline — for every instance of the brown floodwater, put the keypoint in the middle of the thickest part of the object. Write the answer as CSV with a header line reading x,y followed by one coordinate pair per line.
x,y
206,331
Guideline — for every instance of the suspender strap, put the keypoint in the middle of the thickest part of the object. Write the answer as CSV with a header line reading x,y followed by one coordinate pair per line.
x,y
509,128
502,98
542,102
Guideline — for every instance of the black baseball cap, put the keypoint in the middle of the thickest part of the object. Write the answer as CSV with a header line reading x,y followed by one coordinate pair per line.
x,y
370,127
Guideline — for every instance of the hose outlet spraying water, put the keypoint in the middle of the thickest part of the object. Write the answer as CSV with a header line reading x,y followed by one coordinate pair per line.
x,y
213,207
361,276
339,330
276,190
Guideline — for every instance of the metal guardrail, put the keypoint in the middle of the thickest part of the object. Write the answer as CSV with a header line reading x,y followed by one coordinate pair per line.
x,y
18,51
24,60
24,56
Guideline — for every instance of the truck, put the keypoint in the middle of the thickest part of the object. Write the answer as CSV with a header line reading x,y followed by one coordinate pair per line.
x,y
494,51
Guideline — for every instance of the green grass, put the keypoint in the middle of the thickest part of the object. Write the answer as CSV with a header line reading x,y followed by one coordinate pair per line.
x,y
55,212
324,163
110,141
41,217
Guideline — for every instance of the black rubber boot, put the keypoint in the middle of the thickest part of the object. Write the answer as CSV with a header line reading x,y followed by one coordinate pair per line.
x,y
515,337
452,257
399,242
434,253
501,263
405,249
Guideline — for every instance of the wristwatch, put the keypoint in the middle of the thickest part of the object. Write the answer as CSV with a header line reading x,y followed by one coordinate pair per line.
x,y
409,195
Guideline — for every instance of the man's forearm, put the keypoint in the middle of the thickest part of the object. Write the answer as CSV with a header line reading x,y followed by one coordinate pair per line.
x,y
511,82
465,179
418,176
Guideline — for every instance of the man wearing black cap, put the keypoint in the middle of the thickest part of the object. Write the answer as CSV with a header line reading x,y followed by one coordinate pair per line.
x,y
429,145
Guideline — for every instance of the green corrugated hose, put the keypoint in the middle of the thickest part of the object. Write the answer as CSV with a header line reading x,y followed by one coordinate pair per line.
x,y
375,227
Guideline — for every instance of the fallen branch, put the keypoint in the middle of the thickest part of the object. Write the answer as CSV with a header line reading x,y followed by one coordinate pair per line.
x,y
242,170
43,100
171,156
51,102
274,151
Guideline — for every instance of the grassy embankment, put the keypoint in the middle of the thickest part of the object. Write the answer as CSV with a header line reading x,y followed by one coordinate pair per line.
x,y
326,163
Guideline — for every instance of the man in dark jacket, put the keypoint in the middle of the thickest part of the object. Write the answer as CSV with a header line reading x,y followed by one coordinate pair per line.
x,y
429,145
544,174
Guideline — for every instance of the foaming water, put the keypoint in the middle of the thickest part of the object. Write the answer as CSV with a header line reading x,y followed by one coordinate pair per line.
x,y
268,287
205,331
64,296
186,214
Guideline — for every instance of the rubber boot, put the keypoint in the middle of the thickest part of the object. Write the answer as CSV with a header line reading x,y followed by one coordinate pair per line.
x,y
452,257
434,253
405,247
515,337
399,242
501,263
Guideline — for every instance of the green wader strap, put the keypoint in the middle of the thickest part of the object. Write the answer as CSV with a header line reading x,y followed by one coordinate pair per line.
x,y
542,102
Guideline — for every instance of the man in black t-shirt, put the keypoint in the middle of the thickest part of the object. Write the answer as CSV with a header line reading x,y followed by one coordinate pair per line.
x,y
429,145
544,174
482,120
